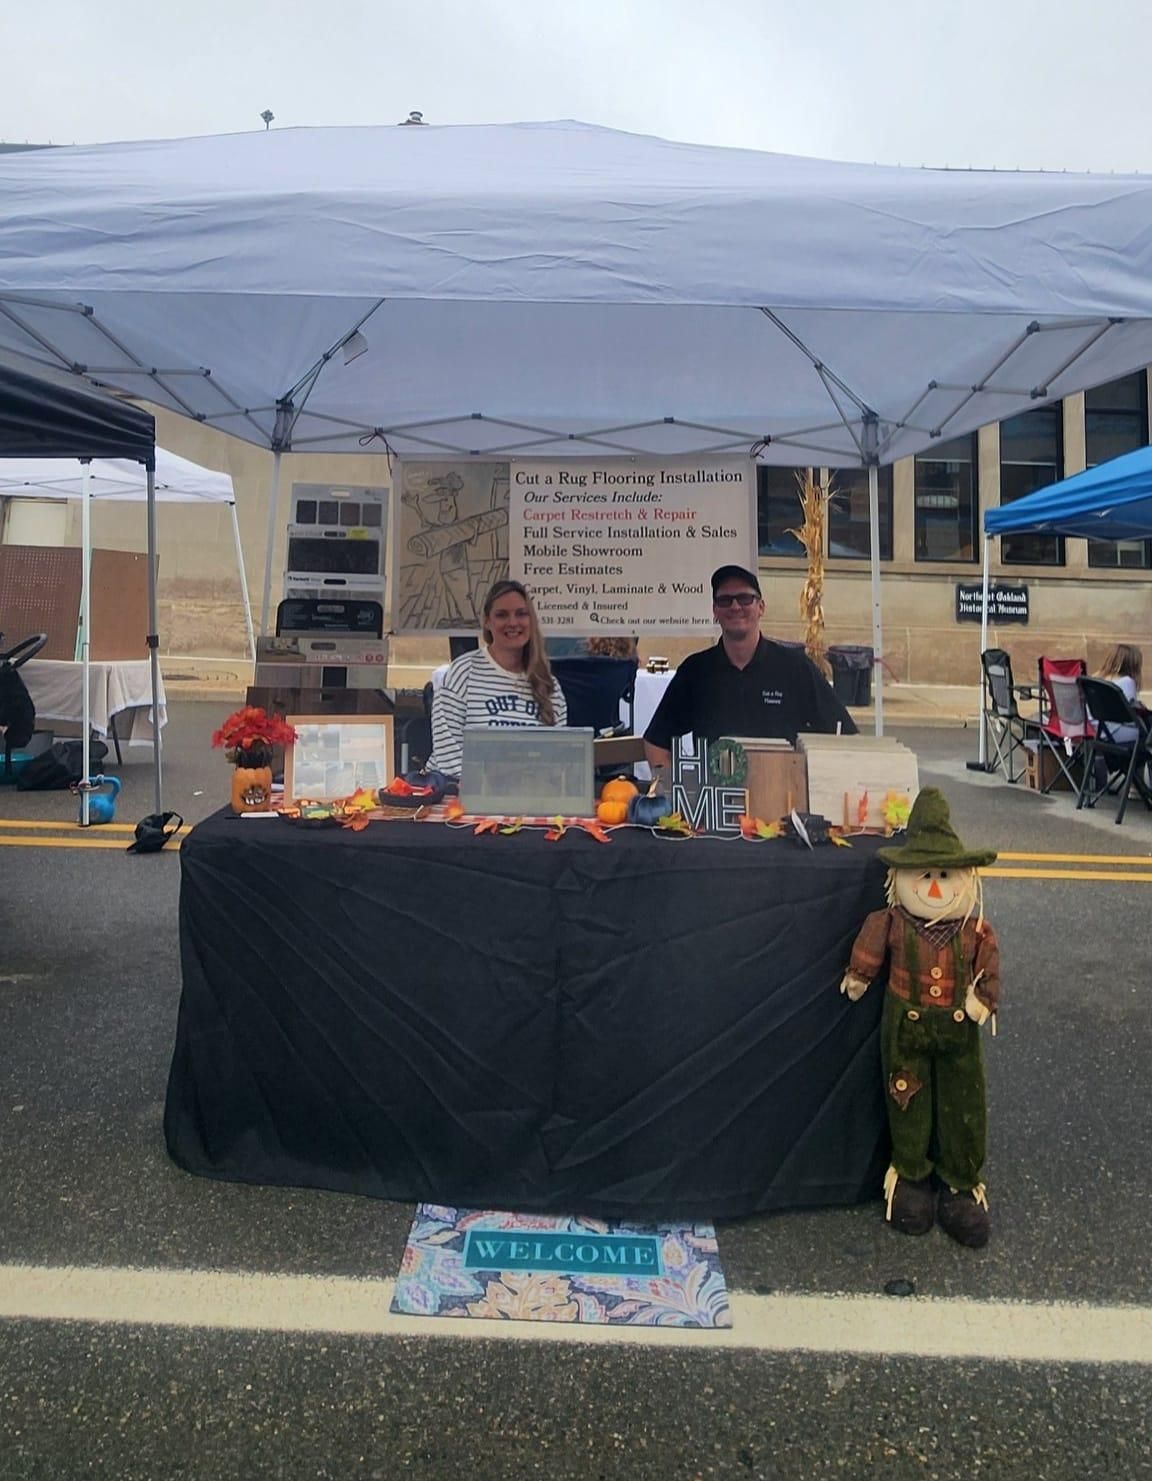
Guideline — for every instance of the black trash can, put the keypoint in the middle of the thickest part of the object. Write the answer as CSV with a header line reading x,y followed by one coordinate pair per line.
x,y
852,674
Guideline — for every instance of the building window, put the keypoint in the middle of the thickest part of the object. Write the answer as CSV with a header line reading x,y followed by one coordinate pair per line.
x,y
1031,457
849,529
1115,422
946,501
778,511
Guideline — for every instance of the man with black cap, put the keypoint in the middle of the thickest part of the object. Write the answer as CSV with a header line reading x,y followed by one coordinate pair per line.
x,y
745,685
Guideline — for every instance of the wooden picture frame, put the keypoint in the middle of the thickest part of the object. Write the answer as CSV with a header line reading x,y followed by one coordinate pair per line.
x,y
335,754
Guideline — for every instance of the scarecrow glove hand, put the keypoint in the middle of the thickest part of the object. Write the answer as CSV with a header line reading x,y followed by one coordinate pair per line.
x,y
977,1011
854,986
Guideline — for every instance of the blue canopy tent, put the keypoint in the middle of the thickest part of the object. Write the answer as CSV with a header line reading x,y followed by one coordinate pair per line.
x,y
1112,501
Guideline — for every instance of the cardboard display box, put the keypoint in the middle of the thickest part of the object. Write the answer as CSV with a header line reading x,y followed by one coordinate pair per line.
x,y
1042,768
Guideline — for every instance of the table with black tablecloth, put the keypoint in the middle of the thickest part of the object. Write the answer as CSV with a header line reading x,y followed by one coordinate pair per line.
x,y
644,1027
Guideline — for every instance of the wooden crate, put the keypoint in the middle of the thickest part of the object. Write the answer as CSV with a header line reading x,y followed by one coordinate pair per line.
x,y
777,781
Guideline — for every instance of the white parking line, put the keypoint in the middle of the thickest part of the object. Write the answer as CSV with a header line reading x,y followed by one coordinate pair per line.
x,y
1044,1332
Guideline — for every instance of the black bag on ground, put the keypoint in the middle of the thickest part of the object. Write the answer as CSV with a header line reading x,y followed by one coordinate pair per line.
x,y
60,766
154,831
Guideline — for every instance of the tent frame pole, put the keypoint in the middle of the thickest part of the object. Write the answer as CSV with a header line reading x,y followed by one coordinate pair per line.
x,y
85,639
983,649
154,642
243,575
270,535
871,440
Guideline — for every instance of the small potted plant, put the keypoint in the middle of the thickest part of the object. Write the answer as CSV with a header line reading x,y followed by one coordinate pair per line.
x,y
249,737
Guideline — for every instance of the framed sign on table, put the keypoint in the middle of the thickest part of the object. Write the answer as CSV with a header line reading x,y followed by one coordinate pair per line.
x,y
335,754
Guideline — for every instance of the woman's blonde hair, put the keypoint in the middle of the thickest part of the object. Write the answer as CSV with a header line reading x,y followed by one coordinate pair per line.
x,y
535,659
1124,662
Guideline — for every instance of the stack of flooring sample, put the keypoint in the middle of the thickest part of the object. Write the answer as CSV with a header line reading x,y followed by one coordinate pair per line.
x,y
852,778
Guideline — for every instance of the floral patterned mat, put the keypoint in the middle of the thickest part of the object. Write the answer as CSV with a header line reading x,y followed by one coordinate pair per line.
x,y
561,1270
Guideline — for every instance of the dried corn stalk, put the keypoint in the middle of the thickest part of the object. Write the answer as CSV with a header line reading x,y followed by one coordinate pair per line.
x,y
814,503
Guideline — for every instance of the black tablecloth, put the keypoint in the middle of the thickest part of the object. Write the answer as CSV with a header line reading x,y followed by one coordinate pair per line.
x,y
412,1012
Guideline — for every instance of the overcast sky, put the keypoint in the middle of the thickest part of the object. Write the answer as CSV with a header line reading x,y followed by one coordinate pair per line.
x,y
1011,83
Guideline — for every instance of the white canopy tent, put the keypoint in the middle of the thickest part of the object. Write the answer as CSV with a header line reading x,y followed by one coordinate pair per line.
x,y
564,290
116,480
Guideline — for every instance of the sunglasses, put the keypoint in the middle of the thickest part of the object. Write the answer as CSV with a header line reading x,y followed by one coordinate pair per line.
x,y
735,598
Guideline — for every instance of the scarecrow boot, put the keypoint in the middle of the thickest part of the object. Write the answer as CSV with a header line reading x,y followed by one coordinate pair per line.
x,y
909,1205
963,1214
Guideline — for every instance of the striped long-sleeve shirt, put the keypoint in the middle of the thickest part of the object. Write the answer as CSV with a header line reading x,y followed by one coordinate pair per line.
x,y
477,691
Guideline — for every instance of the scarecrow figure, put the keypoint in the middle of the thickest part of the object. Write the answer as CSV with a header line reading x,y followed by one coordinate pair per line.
x,y
943,985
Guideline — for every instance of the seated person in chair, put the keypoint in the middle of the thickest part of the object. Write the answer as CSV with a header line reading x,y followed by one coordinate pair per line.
x,y
506,682
1124,668
745,685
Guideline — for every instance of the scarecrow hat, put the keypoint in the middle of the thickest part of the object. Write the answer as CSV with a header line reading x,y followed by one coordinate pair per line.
x,y
931,841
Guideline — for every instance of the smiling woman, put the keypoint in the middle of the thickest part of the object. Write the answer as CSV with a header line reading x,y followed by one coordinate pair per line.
x,y
506,683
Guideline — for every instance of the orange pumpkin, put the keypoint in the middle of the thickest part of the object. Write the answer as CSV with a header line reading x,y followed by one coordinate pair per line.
x,y
619,789
251,788
612,810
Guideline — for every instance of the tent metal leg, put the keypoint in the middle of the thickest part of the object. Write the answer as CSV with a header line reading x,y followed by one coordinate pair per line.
x,y
273,510
877,619
243,575
85,641
154,641
983,650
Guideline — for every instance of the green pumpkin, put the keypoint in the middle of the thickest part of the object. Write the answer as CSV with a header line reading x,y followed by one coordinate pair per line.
x,y
647,811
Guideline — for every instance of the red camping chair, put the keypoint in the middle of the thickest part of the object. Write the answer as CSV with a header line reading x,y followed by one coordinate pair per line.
x,y
1065,728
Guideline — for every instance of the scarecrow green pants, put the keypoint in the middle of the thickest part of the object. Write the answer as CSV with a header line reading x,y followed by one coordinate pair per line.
x,y
934,1082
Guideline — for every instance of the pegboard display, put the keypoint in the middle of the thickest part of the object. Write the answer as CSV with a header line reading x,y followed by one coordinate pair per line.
x,y
40,592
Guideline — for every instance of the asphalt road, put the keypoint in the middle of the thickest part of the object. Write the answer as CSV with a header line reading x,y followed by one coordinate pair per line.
x,y
89,986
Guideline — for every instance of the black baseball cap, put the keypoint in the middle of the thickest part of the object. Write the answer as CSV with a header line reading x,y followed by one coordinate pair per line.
x,y
735,573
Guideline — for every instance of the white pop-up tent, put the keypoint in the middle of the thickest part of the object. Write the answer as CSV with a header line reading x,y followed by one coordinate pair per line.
x,y
115,480
565,290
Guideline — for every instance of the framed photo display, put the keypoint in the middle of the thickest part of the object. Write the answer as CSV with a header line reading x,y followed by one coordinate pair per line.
x,y
335,754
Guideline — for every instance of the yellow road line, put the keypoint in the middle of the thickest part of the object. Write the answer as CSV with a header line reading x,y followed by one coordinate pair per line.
x,y
69,823
80,843
1145,859
1145,878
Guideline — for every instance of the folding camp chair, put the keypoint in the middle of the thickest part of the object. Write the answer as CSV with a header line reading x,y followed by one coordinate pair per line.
x,y
1125,760
1064,728
1005,727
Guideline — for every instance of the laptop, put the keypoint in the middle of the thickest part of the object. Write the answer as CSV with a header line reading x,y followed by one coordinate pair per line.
x,y
527,772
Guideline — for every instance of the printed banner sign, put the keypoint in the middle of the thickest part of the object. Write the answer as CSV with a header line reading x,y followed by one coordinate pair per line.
x,y
1007,601
626,547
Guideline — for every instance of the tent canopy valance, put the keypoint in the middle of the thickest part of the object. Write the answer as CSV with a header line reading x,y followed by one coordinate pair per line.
x,y
1112,501
561,289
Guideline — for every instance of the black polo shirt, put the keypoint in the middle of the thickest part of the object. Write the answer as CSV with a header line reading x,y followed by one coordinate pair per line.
x,y
780,693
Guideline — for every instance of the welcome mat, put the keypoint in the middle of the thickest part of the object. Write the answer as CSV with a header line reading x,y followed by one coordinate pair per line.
x,y
536,1268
